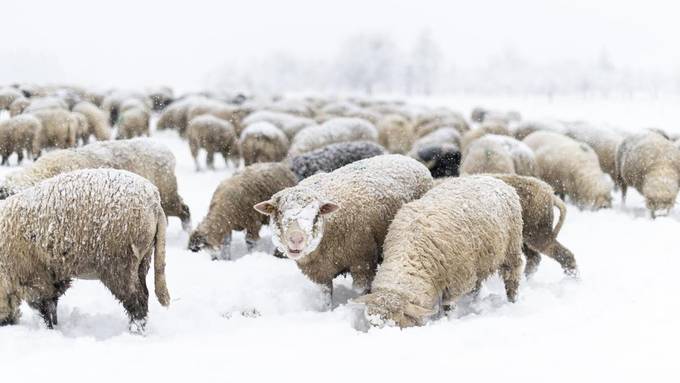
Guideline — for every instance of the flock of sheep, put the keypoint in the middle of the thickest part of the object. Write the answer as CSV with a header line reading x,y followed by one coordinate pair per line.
x,y
419,205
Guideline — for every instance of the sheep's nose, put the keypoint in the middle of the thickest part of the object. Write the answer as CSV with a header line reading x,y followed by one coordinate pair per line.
x,y
296,238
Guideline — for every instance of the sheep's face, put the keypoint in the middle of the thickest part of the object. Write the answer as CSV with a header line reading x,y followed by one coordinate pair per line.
x,y
297,221
660,194
197,241
392,309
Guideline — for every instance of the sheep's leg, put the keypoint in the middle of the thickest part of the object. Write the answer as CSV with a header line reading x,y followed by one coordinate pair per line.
x,y
533,260
225,251
194,153
327,295
564,257
47,308
511,273
624,190
185,216
252,237
362,276
20,156
210,160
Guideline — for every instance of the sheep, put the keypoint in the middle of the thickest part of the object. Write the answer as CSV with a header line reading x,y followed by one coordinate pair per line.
x,y
97,124
7,96
82,128
334,223
537,199
231,208
525,128
18,106
57,129
160,97
97,224
45,103
396,133
17,135
571,168
488,127
213,134
651,164
232,113
480,115
444,245
133,122
499,154
333,156
439,151
603,141
330,132
141,156
433,120
288,123
263,142
112,102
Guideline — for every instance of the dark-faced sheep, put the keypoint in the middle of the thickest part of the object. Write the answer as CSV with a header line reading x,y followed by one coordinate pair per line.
x,y
333,156
444,245
335,223
94,224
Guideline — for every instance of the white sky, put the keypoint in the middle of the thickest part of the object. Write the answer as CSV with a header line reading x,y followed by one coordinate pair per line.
x,y
134,43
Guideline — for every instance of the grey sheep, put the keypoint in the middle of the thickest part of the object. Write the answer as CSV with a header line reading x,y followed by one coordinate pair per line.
x,y
94,224
333,156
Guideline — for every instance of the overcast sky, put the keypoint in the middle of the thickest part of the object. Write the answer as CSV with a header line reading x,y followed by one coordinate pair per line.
x,y
131,43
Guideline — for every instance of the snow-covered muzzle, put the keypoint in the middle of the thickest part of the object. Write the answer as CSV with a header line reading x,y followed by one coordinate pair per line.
x,y
297,223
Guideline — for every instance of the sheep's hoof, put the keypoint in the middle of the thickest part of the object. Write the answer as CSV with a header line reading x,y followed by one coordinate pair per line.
x,y
572,273
138,326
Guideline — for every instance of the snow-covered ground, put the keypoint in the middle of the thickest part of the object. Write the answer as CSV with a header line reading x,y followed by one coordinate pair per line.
x,y
259,318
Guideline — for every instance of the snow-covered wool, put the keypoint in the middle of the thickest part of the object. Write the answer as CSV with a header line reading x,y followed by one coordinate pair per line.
x,y
288,123
7,96
499,154
213,134
488,127
571,168
444,245
141,156
439,151
332,131
82,129
525,128
334,223
603,141
396,133
97,123
18,106
98,224
17,135
160,97
651,164
263,142
45,103
57,129
134,103
175,115
333,156
133,122
112,102
231,207
537,199
228,112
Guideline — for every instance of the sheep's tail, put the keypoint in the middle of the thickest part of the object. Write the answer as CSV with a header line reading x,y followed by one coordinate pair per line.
x,y
557,202
161,287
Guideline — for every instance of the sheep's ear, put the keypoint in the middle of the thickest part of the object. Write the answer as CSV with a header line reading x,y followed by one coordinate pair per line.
x,y
266,207
328,207
417,312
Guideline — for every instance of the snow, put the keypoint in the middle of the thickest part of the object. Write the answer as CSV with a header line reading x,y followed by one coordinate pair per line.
x,y
259,318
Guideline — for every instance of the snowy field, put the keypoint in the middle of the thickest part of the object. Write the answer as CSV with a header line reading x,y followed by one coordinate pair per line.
x,y
259,318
